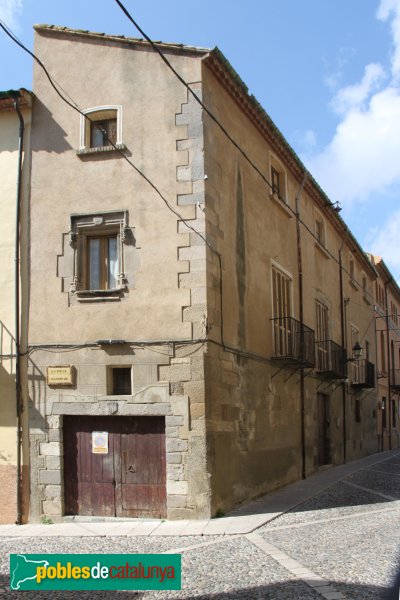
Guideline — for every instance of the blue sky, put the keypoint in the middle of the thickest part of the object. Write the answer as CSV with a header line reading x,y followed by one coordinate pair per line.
x,y
327,72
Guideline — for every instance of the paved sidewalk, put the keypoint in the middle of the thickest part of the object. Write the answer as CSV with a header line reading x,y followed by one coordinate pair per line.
x,y
243,520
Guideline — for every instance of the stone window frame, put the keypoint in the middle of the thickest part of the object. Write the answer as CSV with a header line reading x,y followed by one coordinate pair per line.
x,y
98,113
84,226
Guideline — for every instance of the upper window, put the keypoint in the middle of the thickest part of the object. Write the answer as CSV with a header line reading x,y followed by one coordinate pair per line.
x,y
120,381
322,336
278,179
394,313
380,295
352,271
282,310
275,180
281,294
319,227
98,241
101,129
102,262
365,287
104,132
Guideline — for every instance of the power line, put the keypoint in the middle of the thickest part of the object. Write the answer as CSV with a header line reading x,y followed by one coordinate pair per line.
x,y
75,107
222,128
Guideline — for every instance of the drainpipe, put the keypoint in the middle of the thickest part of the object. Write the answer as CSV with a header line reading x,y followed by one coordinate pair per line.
x,y
301,319
389,403
17,307
343,342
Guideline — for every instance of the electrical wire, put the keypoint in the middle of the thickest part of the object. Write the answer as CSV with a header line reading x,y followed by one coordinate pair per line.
x,y
76,108
222,128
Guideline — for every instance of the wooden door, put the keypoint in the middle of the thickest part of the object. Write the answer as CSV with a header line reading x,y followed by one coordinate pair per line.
x,y
323,430
129,480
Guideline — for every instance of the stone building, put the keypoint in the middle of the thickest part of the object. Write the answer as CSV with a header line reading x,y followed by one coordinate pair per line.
x,y
387,320
197,306
15,121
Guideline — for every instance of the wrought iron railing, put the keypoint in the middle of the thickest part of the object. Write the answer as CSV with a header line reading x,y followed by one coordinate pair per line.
x,y
362,373
330,359
293,341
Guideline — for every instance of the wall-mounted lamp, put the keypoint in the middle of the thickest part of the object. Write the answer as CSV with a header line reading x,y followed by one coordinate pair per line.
x,y
110,342
357,352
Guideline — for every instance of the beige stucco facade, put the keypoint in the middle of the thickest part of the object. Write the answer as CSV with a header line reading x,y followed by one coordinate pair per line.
x,y
9,165
201,254
387,323
256,434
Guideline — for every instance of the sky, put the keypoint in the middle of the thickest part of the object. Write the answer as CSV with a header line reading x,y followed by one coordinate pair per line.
x,y
326,71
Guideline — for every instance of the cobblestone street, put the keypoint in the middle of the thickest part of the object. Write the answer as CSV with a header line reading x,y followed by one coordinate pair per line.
x,y
341,543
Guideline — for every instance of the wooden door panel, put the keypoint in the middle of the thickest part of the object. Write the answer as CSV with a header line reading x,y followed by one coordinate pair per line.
x,y
129,480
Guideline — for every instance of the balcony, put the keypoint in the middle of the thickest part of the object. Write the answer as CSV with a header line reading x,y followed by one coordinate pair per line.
x,y
293,342
395,379
331,360
362,374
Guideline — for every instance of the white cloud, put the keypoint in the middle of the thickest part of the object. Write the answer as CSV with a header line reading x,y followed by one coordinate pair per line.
x,y
9,11
386,242
363,156
387,9
354,96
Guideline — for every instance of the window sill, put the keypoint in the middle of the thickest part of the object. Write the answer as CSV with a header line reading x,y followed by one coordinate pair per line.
x,y
99,295
116,397
100,150
282,205
322,249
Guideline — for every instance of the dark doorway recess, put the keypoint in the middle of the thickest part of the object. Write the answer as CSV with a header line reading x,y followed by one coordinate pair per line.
x,y
324,442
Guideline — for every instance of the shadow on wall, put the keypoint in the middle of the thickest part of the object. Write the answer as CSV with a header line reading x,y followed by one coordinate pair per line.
x,y
49,136
286,590
37,399
7,345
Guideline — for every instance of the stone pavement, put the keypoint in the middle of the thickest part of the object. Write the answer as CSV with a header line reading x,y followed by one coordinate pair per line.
x,y
334,536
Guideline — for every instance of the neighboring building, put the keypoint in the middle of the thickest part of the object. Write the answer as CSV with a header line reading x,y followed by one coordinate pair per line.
x,y
172,377
387,320
14,476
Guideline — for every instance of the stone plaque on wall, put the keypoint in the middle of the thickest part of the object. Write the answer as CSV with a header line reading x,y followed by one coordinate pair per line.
x,y
60,375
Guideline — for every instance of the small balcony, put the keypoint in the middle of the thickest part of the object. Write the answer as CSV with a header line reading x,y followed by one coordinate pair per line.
x,y
331,360
362,374
293,342
395,379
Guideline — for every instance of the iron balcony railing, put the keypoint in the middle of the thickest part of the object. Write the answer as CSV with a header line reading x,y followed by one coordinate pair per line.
x,y
362,373
395,379
331,359
293,342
